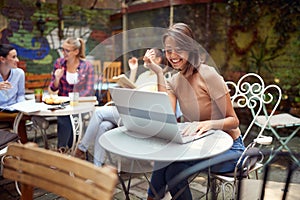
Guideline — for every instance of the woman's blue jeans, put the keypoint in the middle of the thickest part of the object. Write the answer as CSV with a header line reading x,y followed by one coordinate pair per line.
x,y
161,176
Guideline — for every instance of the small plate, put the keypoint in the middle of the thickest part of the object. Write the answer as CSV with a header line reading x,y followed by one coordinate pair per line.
x,y
58,100
53,103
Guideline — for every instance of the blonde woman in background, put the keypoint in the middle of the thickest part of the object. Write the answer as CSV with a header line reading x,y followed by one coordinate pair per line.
x,y
71,73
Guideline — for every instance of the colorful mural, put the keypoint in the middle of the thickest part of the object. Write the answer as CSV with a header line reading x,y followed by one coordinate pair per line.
x,y
33,31
21,31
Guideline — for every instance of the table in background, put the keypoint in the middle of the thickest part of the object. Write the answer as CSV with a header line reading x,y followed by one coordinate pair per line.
x,y
102,91
116,141
38,111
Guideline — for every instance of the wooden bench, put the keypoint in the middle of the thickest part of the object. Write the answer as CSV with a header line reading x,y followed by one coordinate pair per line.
x,y
34,81
57,173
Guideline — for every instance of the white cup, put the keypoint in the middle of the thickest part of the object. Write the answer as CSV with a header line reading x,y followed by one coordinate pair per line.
x,y
74,98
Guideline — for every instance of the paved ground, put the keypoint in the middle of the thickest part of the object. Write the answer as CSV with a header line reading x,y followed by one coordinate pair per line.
x,y
139,183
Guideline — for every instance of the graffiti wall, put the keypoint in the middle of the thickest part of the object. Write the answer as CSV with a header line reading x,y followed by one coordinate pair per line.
x,y
33,30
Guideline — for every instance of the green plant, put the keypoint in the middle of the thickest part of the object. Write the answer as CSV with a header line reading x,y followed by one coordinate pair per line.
x,y
247,15
288,80
260,57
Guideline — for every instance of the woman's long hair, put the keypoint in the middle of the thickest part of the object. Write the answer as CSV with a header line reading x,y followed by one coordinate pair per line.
x,y
185,40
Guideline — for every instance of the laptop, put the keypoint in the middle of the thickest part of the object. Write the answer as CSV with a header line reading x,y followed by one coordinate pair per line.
x,y
147,114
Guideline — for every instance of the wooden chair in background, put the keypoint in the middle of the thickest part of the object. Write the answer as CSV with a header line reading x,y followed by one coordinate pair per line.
x,y
98,77
34,81
7,120
61,174
97,66
110,69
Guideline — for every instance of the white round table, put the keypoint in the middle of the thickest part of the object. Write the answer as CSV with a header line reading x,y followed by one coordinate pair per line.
x,y
118,142
41,110
138,151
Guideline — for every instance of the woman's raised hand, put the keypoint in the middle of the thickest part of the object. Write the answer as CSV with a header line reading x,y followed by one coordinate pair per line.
x,y
133,63
149,61
59,73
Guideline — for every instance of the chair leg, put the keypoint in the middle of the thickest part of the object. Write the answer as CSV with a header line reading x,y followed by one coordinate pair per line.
x,y
228,190
22,131
217,187
283,144
26,192
256,174
214,189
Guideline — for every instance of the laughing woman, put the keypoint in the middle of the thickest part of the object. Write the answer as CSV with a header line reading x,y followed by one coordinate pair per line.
x,y
203,98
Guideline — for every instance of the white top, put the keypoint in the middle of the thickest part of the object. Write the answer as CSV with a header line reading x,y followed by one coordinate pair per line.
x,y
147,81
72,78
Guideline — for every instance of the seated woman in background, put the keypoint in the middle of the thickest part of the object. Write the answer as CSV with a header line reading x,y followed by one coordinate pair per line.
x,y
107,117
12,87
71,73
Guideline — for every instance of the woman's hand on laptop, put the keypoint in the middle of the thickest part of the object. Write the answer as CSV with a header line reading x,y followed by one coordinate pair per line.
x,y
196,128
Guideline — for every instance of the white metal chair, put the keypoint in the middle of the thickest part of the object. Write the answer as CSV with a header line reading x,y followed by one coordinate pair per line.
x,y
277,123
249,189
252,93
268,120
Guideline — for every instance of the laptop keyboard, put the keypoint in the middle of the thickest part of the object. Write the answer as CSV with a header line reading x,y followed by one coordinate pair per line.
x,y
183,126
193,129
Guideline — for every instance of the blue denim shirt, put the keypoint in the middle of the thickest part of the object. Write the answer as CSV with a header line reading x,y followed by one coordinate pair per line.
x,y
17,92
